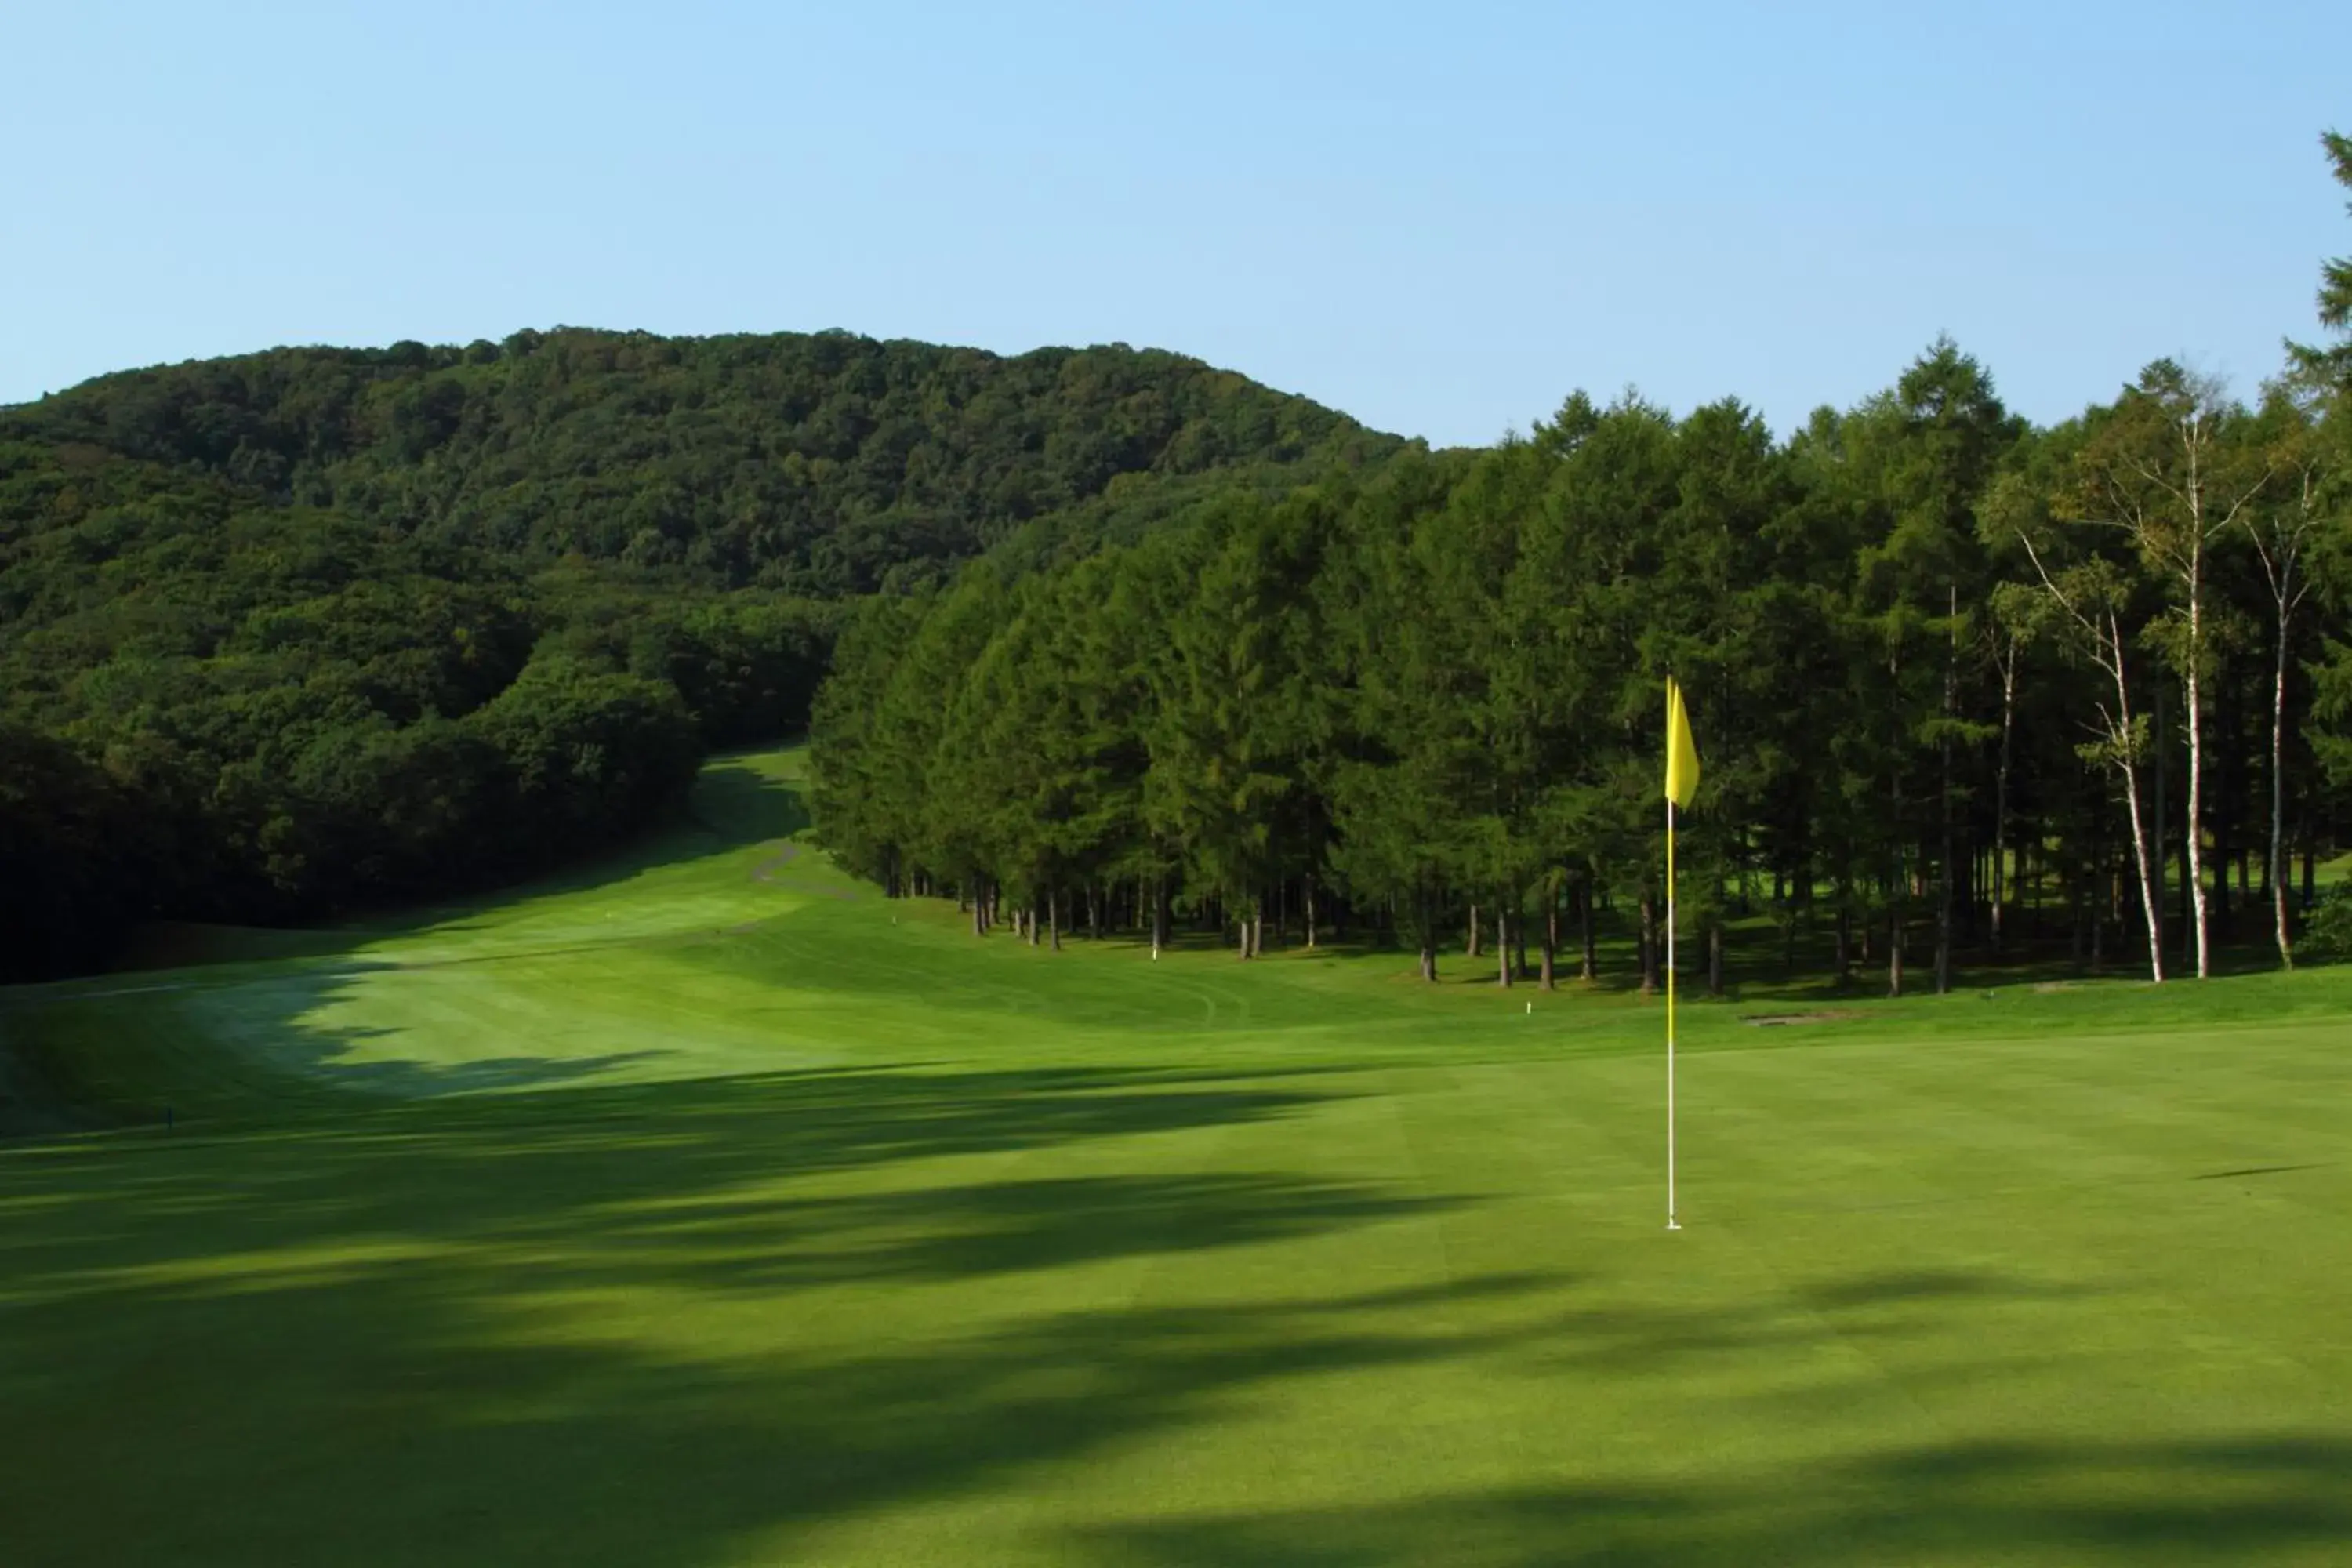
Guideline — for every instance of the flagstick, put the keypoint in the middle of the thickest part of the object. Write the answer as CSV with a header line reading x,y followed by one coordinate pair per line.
x,y
1671,1222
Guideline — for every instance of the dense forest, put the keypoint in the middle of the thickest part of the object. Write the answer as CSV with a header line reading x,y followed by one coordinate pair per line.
x,y
292,634
1962,685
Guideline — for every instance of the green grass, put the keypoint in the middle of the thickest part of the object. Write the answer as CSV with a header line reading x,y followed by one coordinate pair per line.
x,y
711,1210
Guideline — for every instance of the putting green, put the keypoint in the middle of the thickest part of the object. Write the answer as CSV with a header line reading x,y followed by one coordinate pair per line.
x,y
711,1210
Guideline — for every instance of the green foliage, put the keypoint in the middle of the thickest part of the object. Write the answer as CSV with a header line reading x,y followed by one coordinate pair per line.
x,y
2332,361
819,465
2327,932
342,627
1435,685
67,842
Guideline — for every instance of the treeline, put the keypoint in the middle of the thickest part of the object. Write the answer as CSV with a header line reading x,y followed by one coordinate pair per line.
x,y
1945,669
290,635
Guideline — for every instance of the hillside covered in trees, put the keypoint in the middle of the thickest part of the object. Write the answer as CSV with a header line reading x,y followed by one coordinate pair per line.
x,y
1945,668
297,632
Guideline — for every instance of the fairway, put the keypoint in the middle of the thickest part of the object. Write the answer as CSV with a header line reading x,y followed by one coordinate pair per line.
x,y
711,1209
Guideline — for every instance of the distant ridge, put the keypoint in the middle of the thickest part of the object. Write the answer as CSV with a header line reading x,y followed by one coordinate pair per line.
x,y
817,463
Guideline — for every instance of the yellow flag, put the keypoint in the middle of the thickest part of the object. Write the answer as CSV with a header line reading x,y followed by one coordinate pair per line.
x,y
1682,752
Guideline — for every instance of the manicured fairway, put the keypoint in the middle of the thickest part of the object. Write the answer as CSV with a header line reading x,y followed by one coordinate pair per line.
x,y
699,1213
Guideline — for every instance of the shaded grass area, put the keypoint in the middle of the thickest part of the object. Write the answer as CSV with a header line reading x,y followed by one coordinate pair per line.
x,y
778,1223
1110,1315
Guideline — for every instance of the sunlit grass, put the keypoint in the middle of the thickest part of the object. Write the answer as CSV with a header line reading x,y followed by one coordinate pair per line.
x,y
710,1209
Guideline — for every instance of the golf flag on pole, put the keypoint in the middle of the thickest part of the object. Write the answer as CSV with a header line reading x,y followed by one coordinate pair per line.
x,y
1682,752
1682,784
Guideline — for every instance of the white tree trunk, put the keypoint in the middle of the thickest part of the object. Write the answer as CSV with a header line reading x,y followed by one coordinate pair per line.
x,y
2121,731
2278,796
2147,878
2196,827
2001,796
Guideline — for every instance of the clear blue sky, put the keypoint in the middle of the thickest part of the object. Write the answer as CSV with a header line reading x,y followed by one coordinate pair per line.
x,y
1441,218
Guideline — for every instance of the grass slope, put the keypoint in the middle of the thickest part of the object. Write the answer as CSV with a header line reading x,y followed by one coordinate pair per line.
x,y
711,1210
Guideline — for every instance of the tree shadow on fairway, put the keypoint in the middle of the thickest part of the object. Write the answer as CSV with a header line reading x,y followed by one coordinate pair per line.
x,y
991,1228
1664,1339
688,1323
622,1326
2250,1500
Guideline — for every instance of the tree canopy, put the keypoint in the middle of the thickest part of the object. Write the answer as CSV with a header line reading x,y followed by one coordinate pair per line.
x,y
301,631
1939,659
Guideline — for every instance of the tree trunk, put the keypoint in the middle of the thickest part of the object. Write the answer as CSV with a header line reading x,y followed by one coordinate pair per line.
x,y
1895,947
2195,833
1944,922
1944,879
2150,898
1470,941
1590,935
2099,925
1649,941
2119,729
1550,940
1715,957
1425,930
1503,946
2074,944
1311,911
1842,958
2275,873
2161,834
1053,916
2217,906
1159,913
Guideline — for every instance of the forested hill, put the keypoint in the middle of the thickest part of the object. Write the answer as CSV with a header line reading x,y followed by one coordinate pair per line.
x,y
296,632
816,464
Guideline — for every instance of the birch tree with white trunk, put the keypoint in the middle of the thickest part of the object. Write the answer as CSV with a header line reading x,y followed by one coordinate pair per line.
x,y
2166,468
2284,533
2091,599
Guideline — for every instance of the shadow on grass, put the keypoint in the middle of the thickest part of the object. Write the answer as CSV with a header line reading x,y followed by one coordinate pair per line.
x,y
689,1323
2053,1503
354,1345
